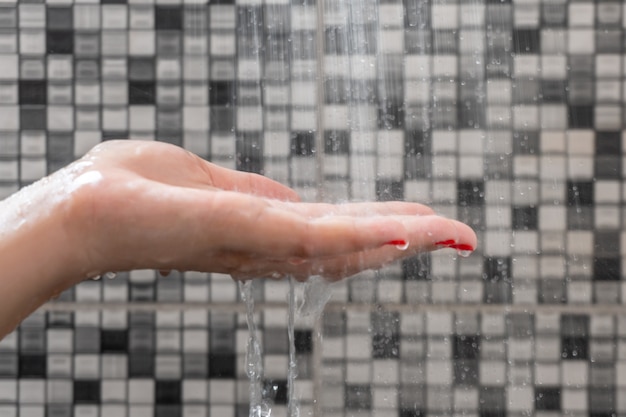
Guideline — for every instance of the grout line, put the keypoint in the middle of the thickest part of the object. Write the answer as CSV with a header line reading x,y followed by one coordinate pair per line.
x,y
339,307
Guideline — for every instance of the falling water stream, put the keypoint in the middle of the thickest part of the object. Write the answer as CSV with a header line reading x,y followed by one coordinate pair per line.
x,y
304,300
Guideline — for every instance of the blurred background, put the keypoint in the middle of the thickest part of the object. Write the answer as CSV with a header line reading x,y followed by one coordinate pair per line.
x,y
505,115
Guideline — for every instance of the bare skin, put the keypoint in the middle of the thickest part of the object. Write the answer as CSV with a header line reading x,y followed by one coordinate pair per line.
x,y
146,205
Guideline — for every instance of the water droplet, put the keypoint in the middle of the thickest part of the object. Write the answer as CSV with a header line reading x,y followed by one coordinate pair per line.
x,y
111,275
96,278
404,246
464,253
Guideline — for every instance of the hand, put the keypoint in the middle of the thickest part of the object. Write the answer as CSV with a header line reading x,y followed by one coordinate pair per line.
x,y
142,205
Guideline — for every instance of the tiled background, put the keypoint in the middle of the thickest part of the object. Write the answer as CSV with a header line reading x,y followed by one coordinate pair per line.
x,y
508,116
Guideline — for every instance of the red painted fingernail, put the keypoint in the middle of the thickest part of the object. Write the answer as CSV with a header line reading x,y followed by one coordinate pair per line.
x,y
462,246
398,242
446,243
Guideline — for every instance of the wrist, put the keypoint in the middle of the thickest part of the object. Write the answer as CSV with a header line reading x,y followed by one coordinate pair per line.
x,y
38,256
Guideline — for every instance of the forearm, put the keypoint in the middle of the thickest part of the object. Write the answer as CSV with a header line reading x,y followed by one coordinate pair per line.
x,y
38,255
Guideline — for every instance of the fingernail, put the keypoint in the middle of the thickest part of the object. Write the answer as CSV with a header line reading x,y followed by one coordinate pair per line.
x,y
462,247
453,245
397,242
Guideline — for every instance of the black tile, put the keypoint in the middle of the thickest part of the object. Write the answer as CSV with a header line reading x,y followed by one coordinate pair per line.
x,y
86,392
608,167
167,392
416,268
303,341
580,116
410,412
547,399
358,397
168,18
33,91
385,346
337,142
526,41
222,365
553,91
276,389
466,347
497,269
221,93
470,193
114,135
492,402
32,366
579,193
33,118
389,190
141,365
114,341
302,143
574,347
417,142
141,92
607,269
60,41
524,218
609,143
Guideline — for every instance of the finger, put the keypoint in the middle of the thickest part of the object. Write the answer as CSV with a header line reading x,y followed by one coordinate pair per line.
x,y
250,183
357,209
428,235
247,224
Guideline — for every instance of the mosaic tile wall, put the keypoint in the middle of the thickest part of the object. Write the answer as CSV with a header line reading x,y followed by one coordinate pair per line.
x,y
505,115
